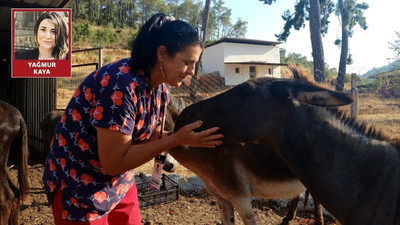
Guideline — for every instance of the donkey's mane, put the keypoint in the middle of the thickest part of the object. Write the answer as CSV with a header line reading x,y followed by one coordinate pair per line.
x,y
361,127
300,73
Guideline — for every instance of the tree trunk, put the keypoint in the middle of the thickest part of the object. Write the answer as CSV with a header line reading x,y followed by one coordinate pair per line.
x,y
119,14
316,41
100,13
344,49
193,84
90,12
76,9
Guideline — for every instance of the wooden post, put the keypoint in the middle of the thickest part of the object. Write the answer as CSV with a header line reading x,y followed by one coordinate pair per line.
x,y
354,94
100,57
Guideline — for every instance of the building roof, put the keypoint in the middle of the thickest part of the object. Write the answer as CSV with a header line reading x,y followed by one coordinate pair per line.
x,y
244,41
5,22
258,63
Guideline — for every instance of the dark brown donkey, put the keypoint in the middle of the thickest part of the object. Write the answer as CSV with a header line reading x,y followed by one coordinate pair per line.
x,y
352,170
47,126
274,171
13,140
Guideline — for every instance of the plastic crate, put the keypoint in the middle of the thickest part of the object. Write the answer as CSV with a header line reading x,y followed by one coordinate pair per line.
x,y
169,192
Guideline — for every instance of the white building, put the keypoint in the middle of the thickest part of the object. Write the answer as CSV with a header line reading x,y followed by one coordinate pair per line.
x,y
237,60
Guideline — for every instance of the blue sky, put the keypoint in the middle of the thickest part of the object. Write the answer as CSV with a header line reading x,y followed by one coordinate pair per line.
x,y
369,48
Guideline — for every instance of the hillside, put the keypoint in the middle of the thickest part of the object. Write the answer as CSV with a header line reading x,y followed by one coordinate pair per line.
x,y
389,68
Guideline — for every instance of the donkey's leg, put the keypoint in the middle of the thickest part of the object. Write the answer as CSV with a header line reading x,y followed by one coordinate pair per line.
x,y
319,215
245,210
15,203
292,210
14,213
226,211
6,200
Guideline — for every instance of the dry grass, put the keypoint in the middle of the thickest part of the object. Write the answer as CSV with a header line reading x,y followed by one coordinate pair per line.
x,y
380,112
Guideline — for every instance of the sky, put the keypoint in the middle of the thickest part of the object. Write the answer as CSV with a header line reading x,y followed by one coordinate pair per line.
x,y
369,48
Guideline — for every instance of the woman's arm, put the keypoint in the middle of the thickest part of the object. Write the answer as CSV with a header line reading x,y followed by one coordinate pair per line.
x,y
117,155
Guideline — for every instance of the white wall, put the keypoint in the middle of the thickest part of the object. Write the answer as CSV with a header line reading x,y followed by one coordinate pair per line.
x,y
220,57
233,78
213,59
236,52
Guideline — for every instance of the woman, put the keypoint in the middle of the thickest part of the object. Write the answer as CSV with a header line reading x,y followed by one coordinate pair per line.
x,y
51,36
112,124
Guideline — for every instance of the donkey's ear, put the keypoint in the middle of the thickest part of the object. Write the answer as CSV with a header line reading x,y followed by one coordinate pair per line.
x,y
312,94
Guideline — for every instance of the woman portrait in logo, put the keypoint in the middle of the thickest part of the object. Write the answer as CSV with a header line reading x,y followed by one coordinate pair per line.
x,y
50,39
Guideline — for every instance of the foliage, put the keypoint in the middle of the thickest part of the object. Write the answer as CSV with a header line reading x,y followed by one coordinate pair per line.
x,y
297,19
80,31
395,46
298,59
104,36
396,80
124,14
317,13
331,73
386,83
220,19
238,30
351,13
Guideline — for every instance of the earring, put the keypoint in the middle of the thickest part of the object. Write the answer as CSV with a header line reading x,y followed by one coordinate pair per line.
x,y
162,70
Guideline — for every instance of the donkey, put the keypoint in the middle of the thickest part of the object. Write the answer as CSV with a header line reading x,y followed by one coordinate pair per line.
x,y
353,170
14,138
47,126
277,168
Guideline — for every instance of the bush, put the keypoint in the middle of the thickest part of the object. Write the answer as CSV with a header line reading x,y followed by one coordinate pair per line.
x,y
80,31
104,36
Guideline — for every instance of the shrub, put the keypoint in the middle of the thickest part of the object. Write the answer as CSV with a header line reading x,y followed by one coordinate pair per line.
x,y
81,31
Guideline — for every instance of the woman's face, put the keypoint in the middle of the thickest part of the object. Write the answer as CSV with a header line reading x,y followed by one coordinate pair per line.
x,y
181,65
46,34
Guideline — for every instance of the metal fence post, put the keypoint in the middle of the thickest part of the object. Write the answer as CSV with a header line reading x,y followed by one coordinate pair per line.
x,y
100,57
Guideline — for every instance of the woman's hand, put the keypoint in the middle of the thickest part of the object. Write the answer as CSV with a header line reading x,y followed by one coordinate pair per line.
x,y
206,138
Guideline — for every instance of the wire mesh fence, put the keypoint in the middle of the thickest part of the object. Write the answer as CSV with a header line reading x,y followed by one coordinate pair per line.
x,y
202,86
67,86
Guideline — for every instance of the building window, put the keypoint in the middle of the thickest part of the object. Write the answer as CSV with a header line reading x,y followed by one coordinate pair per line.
x,y
252,71
269,71
237,70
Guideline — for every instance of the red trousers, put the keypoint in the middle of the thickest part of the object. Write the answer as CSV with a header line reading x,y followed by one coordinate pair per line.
x,y
125,213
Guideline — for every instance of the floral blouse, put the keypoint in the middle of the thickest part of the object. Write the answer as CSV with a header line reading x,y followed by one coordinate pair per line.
x,y
112,97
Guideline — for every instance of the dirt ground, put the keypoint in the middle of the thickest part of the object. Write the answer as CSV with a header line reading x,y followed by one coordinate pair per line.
x,y
200,208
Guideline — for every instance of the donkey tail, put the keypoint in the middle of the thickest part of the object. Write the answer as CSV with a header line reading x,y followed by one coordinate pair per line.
x,y
21,144
306,198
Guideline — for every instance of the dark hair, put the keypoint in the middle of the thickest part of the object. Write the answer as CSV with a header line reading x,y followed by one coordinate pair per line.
x,y
159,30
61,35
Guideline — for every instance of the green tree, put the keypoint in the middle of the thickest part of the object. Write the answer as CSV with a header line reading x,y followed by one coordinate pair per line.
x,y
238,30
351,13
191,12
81,31
395,46
174,7
147,8
317,12
104,36
221,18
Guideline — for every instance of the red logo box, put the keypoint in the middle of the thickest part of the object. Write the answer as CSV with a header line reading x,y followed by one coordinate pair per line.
x,y
25,61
